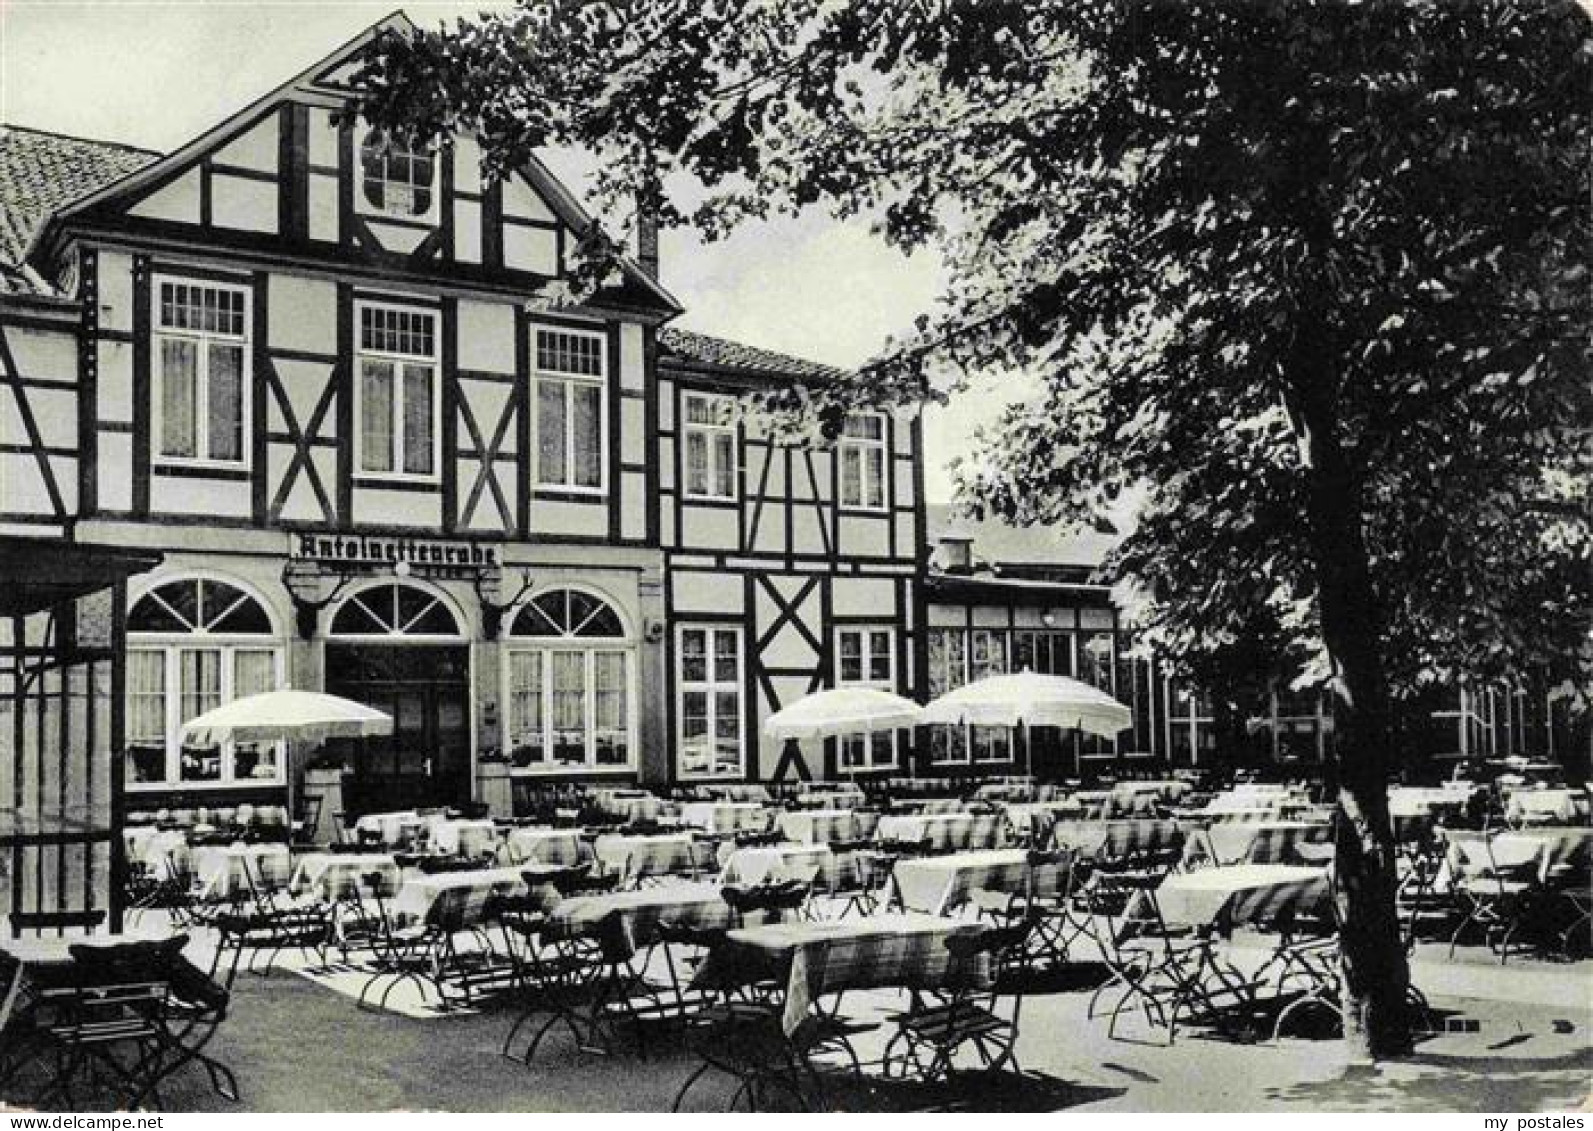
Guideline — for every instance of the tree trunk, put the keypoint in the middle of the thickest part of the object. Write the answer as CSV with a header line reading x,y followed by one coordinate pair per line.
x,y
1375,973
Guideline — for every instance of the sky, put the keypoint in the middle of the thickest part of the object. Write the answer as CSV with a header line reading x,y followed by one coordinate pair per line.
x,y
157,74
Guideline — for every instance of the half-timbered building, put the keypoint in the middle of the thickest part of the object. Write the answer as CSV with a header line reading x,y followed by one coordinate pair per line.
x,y
317,371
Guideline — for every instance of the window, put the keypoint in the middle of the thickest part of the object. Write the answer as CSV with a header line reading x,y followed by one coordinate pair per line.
x,y
863,462
201,351
193,645
1191,730
394,610
948,670
396,179
570,690
710,703
956,657
1042,652
568,383
866,657
1097,659
710,447
1302,725
398,404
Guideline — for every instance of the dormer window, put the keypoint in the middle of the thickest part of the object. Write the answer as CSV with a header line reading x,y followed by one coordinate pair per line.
x,y
398,180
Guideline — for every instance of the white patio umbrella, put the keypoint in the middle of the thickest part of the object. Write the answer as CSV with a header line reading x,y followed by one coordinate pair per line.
x,y
1031,700
304,716
287,715
842,711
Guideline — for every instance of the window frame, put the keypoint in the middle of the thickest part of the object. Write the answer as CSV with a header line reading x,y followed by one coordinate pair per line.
x,y
870,761
711,687
398,361
710,432
537,375
962,753
203,338
588,648
863,446
367,207
171,646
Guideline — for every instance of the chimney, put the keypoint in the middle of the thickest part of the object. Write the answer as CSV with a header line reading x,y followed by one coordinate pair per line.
x,y
954,553
647,240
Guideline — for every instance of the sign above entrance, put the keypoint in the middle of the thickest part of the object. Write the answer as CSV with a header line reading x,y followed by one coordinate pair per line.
x,y
366,549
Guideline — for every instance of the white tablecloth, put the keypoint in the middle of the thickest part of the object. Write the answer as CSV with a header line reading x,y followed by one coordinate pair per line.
x,y
752,866
389,828
416,898
464,837
548,846
819,826
1195,899
724,816
937,884
235,869
341,875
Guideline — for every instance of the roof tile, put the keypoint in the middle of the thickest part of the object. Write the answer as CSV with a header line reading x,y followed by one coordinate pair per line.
x,y
40,172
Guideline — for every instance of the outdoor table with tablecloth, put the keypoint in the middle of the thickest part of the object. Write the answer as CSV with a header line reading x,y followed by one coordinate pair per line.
x,y
546,846
1547,805
943,831
932,806
905,950
223,870
738,791
420,893
391,828
818,826
1037,816
642,807
1009,791
724,816
758,864
638,856
338,876
1548,845
1113,839
639,912
1229,842
1216,896
939,884
819,796
162,851
453,836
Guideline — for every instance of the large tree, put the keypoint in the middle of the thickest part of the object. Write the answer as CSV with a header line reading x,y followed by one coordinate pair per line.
x,y
1306,279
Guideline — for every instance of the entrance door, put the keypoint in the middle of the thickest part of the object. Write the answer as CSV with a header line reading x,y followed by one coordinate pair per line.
x,y
425,688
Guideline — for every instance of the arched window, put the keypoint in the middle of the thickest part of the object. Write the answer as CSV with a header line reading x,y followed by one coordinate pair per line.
x,y
397,179
192,645
569,681
394,610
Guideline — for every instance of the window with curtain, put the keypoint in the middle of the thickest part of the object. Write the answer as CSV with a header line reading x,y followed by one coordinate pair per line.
x,y
862,455
397,391
709,707
201,361
194,644
866,657
948,670
569,690
710,446
569,377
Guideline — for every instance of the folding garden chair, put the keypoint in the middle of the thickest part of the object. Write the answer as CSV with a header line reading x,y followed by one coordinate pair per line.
x,y
1488,895
978,1007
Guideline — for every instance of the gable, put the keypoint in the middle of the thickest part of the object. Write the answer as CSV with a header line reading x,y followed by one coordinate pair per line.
x,y
284,175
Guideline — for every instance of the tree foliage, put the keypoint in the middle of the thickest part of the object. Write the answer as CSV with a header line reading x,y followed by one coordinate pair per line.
x,y
1132,199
